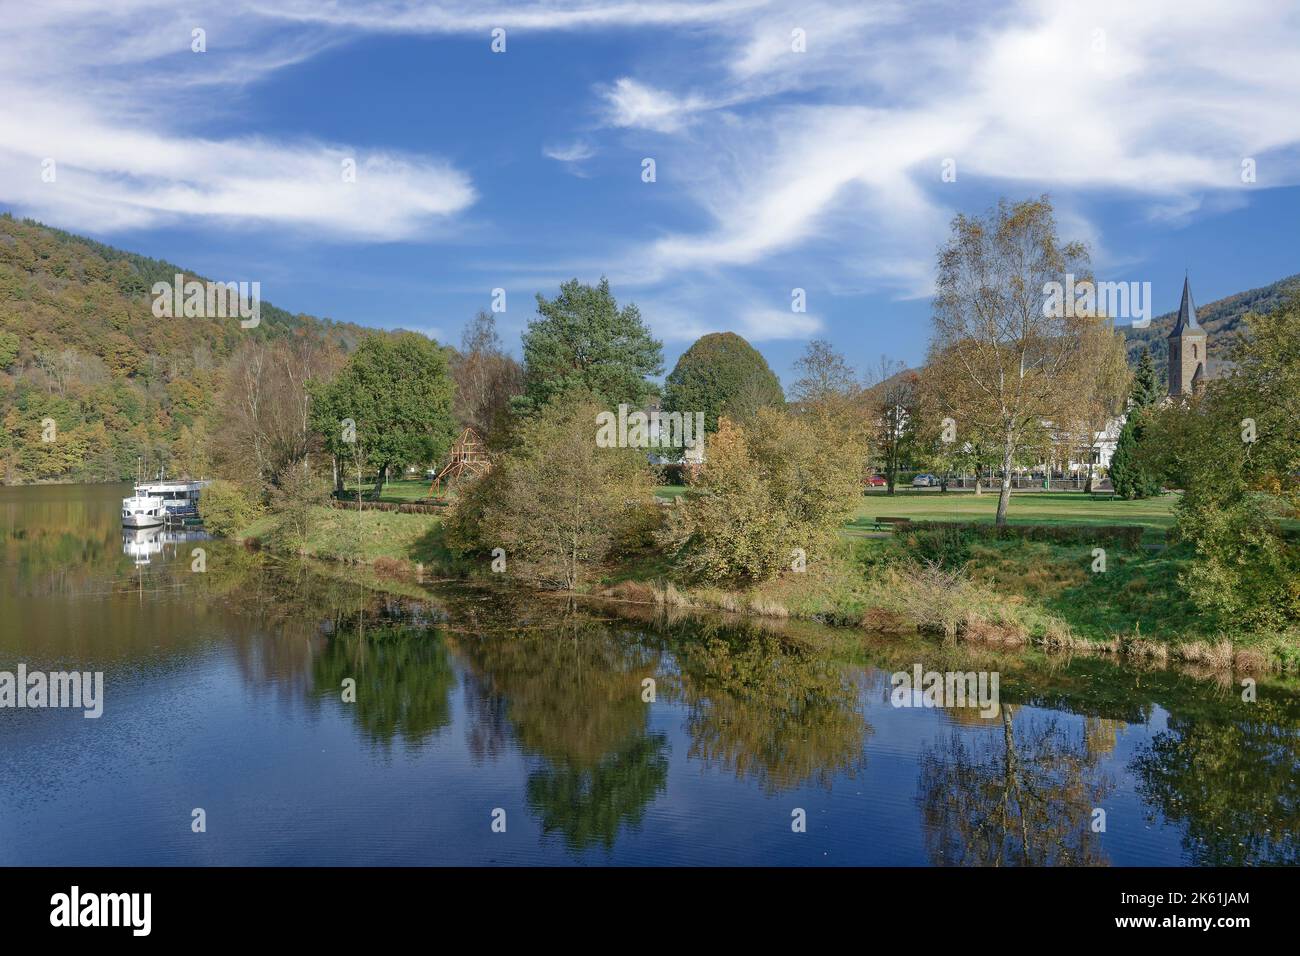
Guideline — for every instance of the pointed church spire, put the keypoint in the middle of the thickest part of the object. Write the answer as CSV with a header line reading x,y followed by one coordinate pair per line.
x,y
1186,312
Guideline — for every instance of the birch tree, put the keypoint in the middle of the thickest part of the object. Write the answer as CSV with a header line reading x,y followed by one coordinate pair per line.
x,y
1009,362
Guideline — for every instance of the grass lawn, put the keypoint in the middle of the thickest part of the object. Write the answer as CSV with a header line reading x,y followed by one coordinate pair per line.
x,y
399,492
337,534
1034,507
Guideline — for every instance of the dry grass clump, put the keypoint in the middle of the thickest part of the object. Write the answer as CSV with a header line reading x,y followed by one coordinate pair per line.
x,y
976,628
1218,655
670,596
767,607
883,620
1251,660
635,592
394,567
931,596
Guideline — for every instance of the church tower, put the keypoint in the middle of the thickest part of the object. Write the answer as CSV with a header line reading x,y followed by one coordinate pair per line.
x,y
1187,359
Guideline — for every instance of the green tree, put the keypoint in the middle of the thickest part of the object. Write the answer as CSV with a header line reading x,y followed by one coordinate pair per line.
x,y
1235,450
1129,477
1148,388
721,374
397,391
581,340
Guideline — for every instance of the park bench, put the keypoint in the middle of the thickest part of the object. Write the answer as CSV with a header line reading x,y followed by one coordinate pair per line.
x,y
892,524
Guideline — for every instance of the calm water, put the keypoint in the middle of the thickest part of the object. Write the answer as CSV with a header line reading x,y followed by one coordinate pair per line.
x,y
224,691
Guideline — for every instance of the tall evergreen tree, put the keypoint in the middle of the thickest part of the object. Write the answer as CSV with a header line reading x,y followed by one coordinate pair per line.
x,y
582,341
1148,389
1128,476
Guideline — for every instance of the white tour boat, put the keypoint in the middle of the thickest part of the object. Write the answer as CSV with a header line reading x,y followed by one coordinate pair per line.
x,y
154,502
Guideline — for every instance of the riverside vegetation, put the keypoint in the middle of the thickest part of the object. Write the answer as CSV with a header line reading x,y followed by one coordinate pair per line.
x,y
775,523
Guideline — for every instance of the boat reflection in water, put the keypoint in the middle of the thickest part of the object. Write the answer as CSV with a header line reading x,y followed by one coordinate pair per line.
x,y
142,544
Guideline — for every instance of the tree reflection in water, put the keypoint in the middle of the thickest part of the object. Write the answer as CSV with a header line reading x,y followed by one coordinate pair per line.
x,y
570,689
1218,779
1021,795
404,679
769,709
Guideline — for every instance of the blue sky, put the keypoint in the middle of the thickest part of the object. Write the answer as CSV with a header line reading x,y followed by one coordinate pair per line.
x,y
776,168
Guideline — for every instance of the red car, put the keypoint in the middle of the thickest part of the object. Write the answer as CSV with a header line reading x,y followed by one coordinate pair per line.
x,y
875,481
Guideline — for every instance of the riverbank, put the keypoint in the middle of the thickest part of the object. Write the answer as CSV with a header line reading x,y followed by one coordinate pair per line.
x,y
1005,593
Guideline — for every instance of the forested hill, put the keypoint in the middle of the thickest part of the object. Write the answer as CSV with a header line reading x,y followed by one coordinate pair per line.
x,y
79,344
1221,319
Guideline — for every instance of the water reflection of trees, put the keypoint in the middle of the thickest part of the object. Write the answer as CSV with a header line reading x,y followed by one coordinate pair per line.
x,y
570,691
769,709
1019,795
403,675
1233,786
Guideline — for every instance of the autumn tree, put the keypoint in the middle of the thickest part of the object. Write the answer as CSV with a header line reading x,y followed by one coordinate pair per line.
x,y
824,376
556,502
266,424
893,404
486,378
773,496
1095,399
1009,361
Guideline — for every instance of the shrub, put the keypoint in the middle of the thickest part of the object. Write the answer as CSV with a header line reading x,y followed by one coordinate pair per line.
x,y
557,503
781,484
932,597
228,507
944,545
295,503
729,530
1120,536
1242,571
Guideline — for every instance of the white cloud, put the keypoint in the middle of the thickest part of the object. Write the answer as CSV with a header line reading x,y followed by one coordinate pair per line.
x,y
574,152
633,104
770,153
417,16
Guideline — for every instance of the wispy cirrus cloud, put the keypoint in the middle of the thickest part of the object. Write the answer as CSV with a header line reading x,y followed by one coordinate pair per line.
x,y
635,105
1158,104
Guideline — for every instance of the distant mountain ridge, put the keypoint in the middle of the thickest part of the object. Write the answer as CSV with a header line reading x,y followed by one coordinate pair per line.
x,y
1221,319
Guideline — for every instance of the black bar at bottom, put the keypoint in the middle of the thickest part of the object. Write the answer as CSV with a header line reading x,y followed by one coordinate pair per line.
x,y
340,904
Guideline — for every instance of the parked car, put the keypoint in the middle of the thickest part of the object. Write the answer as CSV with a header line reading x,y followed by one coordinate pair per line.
x,y
925,481
875,481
